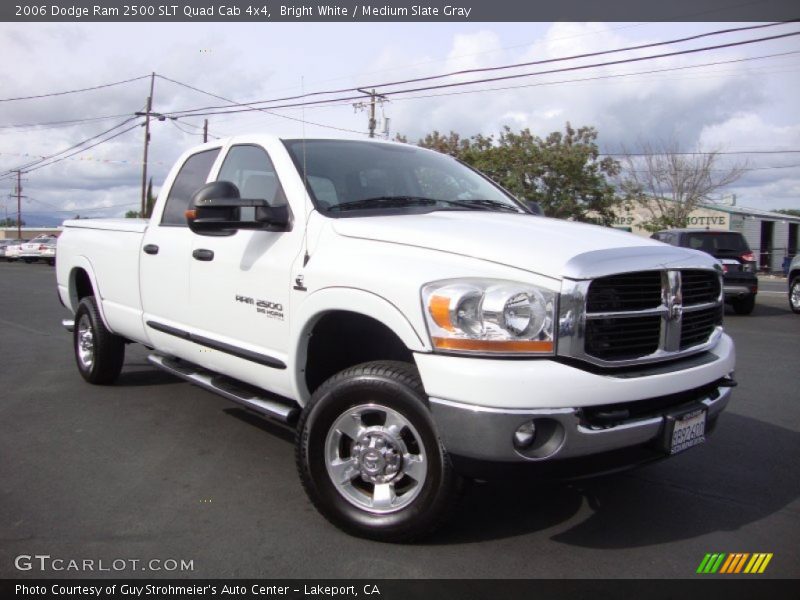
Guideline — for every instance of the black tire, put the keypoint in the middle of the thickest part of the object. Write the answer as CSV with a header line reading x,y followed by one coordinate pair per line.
x,y
99,353
744,306
794,294
388,387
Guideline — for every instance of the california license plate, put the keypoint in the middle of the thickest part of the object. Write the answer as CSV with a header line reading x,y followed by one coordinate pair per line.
x,y
685,430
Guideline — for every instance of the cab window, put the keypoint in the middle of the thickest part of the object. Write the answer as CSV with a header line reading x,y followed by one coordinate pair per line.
x,y
191,177
250,169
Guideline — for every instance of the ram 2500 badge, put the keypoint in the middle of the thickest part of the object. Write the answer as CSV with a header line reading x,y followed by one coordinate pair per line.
x,y
415,322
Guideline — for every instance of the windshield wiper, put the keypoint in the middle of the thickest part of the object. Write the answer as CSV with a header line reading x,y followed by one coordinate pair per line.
x,y
400,201
383,202
482,204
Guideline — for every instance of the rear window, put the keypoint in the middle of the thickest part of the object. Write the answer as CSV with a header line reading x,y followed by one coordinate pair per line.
x,y
712,241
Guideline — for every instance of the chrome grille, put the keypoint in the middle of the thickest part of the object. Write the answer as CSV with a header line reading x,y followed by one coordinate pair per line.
x,y
697,326
642,316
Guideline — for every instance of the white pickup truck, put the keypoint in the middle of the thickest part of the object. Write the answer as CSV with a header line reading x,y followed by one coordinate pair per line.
x,y
415,322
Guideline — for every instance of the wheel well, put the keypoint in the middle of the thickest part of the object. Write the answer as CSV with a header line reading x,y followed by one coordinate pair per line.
x,y
343,339
793,274
81,285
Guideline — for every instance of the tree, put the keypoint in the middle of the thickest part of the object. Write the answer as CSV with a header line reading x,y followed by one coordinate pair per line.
x,y
671,184
150,201
792,212
562,172
9,222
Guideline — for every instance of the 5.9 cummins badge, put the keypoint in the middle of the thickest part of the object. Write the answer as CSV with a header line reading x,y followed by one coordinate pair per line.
x,y
273,310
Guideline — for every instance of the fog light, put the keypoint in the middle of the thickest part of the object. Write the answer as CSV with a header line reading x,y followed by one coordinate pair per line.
x,y
524,435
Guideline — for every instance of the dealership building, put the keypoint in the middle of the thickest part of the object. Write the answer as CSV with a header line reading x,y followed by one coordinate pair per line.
x,y
771,236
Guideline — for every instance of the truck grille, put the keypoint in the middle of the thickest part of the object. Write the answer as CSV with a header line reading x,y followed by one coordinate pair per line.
x,y
651,314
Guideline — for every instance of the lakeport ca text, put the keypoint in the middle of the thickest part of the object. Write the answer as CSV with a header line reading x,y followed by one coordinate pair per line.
x,y
137,591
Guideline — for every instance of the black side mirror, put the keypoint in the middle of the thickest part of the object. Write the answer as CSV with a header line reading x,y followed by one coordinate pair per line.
x,y
534,207
216,209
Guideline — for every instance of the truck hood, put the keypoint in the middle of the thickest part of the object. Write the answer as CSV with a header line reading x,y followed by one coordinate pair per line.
x,y
549,247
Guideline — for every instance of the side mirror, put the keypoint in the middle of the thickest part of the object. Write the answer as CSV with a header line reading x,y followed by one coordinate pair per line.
x,y
534,207
216,209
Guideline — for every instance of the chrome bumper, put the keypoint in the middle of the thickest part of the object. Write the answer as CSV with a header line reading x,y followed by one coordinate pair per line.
x,y
485,433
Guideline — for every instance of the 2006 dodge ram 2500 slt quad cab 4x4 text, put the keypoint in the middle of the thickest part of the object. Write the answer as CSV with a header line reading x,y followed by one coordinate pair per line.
x,y
413,321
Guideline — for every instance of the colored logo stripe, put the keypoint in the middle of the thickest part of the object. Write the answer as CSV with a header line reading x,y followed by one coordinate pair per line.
x,y
735,562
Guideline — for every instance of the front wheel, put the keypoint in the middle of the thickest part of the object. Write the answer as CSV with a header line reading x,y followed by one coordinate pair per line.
x,y
794,295
369,457
99,353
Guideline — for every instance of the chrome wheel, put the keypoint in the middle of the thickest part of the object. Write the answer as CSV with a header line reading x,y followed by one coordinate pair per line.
x,y
85,342
375,458
794,296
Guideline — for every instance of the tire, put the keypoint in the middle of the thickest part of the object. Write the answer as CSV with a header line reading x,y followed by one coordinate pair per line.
x,y
343,432
744,306
794,295
99,353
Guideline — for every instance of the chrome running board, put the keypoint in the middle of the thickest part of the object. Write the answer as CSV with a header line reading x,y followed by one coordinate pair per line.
x,y
256,400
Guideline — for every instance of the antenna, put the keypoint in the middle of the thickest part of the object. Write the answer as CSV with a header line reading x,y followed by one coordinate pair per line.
x,y
306,215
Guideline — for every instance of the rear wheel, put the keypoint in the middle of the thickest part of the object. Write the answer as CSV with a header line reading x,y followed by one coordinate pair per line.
x,y
369,457
99,353
744,306
794,295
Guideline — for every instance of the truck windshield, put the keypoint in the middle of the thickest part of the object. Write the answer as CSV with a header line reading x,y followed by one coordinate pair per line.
x,y
351,177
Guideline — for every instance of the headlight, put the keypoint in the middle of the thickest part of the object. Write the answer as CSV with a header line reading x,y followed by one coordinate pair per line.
x,y
490,316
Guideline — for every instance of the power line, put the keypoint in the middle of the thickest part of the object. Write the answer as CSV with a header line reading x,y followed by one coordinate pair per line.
x,y
194,112
259,109
66,123
108,139
64,93
579,80
27,166
532,63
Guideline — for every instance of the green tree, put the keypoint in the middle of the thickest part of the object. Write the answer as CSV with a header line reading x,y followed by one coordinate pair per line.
x,y
132,214
563,172
9,222
792,212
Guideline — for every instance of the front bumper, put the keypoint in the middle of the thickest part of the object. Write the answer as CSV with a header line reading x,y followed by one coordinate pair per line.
x,y
487,434
478,404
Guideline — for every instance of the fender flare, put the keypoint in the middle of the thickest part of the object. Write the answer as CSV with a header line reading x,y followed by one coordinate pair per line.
x,y
83,263
347,299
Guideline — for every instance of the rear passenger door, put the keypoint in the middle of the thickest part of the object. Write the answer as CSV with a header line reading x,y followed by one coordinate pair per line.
x,y
167,251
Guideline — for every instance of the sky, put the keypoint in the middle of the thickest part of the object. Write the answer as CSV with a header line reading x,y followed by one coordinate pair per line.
x,y
747,100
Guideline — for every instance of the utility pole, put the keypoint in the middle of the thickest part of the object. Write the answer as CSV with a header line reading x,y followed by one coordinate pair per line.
x,y
373,95
19,195
146,141
205,131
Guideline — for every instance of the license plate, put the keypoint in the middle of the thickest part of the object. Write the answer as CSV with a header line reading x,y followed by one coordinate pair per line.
x,y
685,430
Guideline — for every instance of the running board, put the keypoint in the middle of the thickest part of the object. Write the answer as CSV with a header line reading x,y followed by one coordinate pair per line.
x,y
241,393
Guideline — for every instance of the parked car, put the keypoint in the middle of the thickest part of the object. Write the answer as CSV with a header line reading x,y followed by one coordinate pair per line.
x,y
13,250
42,248
3,245
411,319
732,251
794,284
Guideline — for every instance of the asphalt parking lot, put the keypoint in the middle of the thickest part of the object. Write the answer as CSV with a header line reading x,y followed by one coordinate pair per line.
x,y
153,468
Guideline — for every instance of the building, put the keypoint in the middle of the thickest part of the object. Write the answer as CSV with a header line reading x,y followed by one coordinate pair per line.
x,y
28,233
771,236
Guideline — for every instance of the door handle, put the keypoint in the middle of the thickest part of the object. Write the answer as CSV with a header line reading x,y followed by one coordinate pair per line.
x,y
150,249
203,254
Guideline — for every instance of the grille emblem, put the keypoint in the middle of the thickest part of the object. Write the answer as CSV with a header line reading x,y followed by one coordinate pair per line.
x,y
674,296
